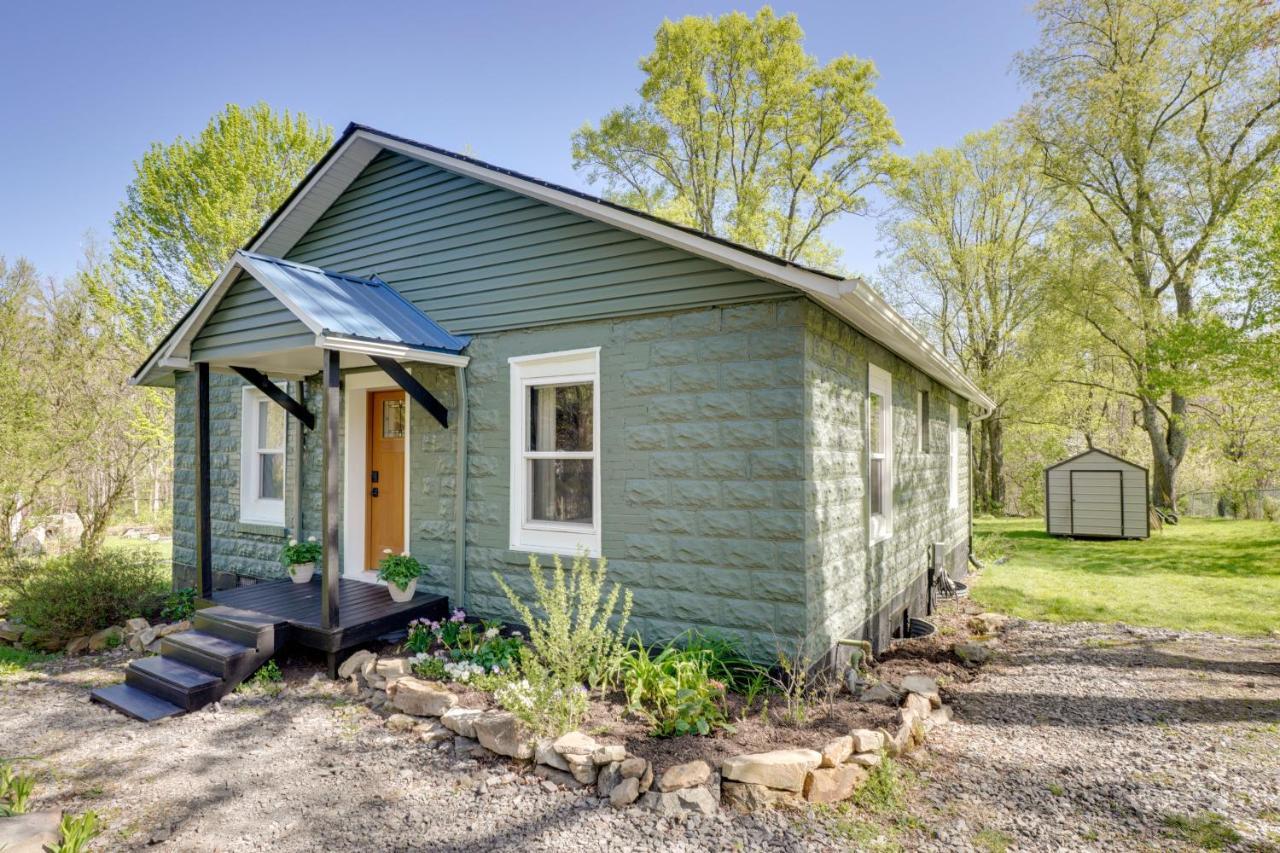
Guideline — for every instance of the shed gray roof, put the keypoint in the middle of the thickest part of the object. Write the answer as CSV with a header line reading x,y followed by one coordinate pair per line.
x,y
331,303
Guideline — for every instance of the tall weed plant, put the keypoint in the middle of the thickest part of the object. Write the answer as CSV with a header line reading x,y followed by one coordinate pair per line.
x,y
573,632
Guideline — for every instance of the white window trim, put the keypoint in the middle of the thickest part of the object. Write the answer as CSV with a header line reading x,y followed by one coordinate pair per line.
x,y
953,457
255,510
545,537
880,382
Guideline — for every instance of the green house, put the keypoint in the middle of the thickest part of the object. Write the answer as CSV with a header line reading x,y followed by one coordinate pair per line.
x,y
420,351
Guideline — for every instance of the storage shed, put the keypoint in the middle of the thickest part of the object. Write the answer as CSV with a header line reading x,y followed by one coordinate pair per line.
x,y
1096,495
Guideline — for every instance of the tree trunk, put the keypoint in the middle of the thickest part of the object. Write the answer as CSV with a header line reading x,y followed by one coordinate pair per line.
x,y
1168,447
981,458
994,426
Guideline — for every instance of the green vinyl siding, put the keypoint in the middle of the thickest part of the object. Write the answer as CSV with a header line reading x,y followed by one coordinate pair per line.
x,y
249,320
478,258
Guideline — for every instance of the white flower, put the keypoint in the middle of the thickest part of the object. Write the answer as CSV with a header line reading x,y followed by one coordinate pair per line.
x,y
293,542
404,553
311,538
491,633
386,550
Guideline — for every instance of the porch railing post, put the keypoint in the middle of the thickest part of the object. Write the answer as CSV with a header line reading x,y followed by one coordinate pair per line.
x,y
203,531
329,593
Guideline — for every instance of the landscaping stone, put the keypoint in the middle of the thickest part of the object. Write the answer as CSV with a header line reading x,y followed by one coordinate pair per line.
x,y
544,752
106,638
688,775
353,664
624,793
915,707
582,768
78,646
972,654
867,740
633,768
401,723
939,717
833,784
369,671
558,777
865,759
922,685
420,698
172,628
30,832
136,624
501,732
461,721
987,623
746,797
784,769
10,632
390,668
837,751
609,753
609,776
575,743
879,693
680,803
432,733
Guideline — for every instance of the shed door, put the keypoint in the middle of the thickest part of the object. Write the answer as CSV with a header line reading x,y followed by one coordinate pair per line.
x,y
1097,503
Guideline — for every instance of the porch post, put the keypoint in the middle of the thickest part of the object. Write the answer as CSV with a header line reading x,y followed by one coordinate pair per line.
x,y
204,540
331,402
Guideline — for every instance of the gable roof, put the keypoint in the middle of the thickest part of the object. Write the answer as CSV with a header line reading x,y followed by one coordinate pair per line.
x,y
851,299
1096,450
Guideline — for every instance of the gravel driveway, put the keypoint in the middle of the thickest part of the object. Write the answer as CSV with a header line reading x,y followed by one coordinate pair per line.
x,y
1076,737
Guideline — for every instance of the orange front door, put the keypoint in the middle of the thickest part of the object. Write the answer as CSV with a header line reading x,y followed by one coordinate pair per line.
x,y
384,480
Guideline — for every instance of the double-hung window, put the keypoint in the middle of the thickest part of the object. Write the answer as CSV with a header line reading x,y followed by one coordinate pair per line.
x,y
262,456
555,452
953,458
922,438
880,453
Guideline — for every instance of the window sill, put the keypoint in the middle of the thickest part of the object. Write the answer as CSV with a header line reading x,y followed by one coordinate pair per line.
x,y
590,549
261,528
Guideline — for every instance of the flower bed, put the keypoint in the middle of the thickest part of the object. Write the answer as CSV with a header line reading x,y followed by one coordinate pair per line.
x,y
679,728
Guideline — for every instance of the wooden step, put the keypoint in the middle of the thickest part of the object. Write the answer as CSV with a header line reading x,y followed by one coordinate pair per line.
x,y
132,702
174,681
209,652
247,627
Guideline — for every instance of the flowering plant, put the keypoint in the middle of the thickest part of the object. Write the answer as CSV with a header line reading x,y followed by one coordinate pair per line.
x,y
461,642
300,552
399,569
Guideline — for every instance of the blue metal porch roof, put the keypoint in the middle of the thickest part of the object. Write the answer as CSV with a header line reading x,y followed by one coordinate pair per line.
x,y
332,303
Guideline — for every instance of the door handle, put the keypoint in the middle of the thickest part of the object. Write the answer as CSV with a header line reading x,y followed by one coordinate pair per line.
x,y
373,493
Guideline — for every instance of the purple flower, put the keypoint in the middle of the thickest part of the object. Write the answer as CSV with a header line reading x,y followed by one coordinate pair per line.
x,y
459,615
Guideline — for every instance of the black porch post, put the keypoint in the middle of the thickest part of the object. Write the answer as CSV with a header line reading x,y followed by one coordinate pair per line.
x,y
204,540
329,415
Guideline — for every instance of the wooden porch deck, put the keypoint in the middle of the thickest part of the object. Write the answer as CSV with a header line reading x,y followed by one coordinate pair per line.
x,y
365,611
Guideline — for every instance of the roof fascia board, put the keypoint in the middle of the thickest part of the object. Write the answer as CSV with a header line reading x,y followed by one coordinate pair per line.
x,y
393,351
176,350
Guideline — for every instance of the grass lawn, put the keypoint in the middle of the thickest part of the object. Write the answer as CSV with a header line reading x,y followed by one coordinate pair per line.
x,y
163,548
1201,575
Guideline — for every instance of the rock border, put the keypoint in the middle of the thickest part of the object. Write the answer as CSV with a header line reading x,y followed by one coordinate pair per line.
x,y
578,761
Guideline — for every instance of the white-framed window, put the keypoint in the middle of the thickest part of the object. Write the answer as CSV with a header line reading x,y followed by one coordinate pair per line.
x,y
879,452
262,458
555,452
953,457
922,422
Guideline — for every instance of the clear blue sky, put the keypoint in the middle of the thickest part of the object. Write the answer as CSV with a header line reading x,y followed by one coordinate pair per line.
x,y
85,87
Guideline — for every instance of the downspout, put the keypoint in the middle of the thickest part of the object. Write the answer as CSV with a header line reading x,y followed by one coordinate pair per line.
x,y
460,497
299,390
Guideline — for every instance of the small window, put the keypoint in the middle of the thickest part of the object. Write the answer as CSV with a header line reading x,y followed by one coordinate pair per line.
x,y
555,465
922,439
393,418
262,459
953,457
880,453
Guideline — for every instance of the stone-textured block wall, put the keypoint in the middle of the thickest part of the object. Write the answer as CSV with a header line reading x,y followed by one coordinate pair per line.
x,y
849,581
703,465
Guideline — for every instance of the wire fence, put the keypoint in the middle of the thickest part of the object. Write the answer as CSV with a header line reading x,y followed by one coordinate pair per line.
x,y
1252,503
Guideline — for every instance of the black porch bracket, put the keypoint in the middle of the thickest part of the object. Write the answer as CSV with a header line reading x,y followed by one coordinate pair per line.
x,y
259,380
413,388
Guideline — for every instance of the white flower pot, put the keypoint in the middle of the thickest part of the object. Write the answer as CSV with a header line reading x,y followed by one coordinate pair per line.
x,y
301,572
398,594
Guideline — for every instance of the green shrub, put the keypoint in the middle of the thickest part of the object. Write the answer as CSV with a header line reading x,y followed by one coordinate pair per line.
x,y
726,661
82,592
75,832
571,638
399,569
674,690
179,605
541,700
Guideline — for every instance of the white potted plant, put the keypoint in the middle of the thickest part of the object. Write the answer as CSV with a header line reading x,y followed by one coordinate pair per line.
x,y
299,559
401,572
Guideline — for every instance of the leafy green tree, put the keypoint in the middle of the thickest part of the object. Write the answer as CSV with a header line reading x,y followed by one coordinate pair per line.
x,y
966,235
193,202
1160,117
742,134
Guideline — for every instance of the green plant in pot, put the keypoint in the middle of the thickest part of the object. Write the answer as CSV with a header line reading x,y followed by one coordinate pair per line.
x,y
401,572
299,559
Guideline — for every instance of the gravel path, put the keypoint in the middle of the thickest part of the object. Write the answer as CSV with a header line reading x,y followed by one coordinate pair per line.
x,y
1076,737
1106,737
